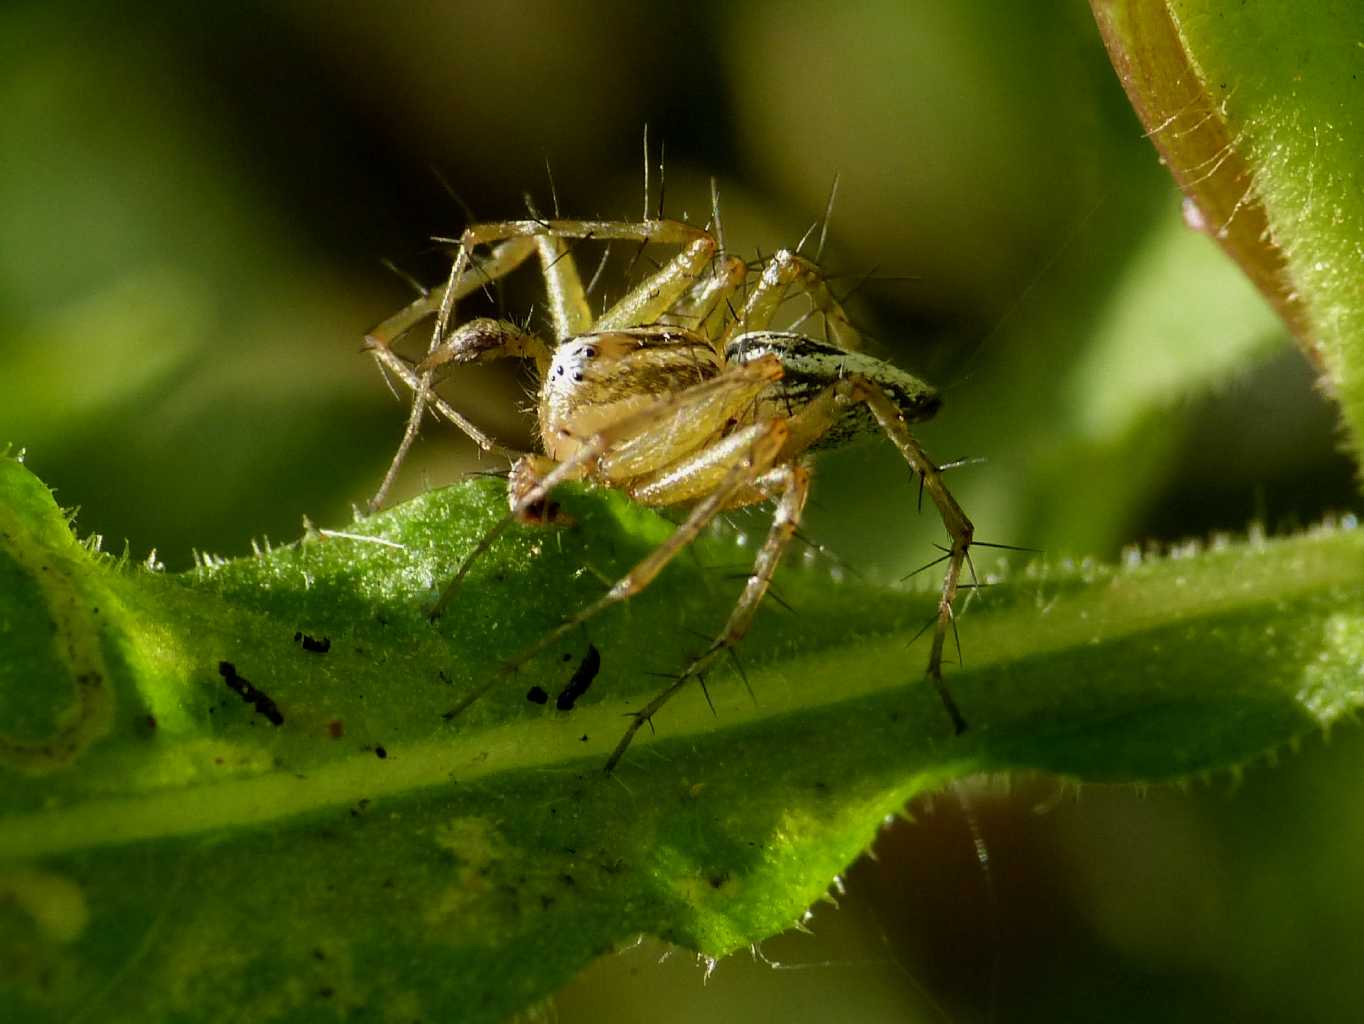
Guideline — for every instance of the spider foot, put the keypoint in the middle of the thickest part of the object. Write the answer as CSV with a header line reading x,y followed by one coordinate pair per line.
x,y
637,720
645,715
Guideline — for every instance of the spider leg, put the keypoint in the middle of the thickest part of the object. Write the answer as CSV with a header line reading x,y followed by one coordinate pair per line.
x,y
513,241
658,292
505,258
793,482
818,417
959,528
705,306
785,270
564,292
644,303
750,453
397,366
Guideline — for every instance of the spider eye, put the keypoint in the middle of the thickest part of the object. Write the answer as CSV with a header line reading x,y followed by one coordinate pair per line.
x,y
558,371
590,352
577,376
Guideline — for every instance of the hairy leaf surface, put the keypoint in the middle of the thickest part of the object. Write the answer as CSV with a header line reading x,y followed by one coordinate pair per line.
x,y
321,836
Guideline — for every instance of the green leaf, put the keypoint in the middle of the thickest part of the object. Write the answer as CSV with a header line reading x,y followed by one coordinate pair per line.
x,y
1259,116
338,842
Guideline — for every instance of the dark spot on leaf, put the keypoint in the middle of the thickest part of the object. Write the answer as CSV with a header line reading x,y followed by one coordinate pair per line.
x,y
582,738
318,954
718,881
567,879
312,644
537,695
335,729
326,992
582,679
380,753
256,698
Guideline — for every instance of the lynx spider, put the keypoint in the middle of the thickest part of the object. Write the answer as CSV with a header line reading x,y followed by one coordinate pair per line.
x,y
680,393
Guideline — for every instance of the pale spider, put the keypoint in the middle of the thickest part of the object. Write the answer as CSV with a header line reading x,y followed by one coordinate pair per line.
x,y
680,393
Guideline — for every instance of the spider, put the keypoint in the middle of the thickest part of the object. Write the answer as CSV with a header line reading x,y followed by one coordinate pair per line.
x,y
680,394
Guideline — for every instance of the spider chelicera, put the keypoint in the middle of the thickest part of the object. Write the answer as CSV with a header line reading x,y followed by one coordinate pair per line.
x,y
679,394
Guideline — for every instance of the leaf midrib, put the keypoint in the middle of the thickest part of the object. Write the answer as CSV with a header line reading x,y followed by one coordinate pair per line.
x,y
580,744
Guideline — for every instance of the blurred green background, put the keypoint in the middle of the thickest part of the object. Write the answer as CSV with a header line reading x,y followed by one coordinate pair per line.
x,y
197,202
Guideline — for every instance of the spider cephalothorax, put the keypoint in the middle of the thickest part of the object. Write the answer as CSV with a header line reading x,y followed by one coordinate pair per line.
x,y
679,394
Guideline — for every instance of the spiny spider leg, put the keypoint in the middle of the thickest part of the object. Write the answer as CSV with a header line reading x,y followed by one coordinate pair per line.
x,y
656,295
959,528
421,394
564,291
783,271
819,416
752,451
793,482
705,307
505,258
480,340
394,364
568,300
